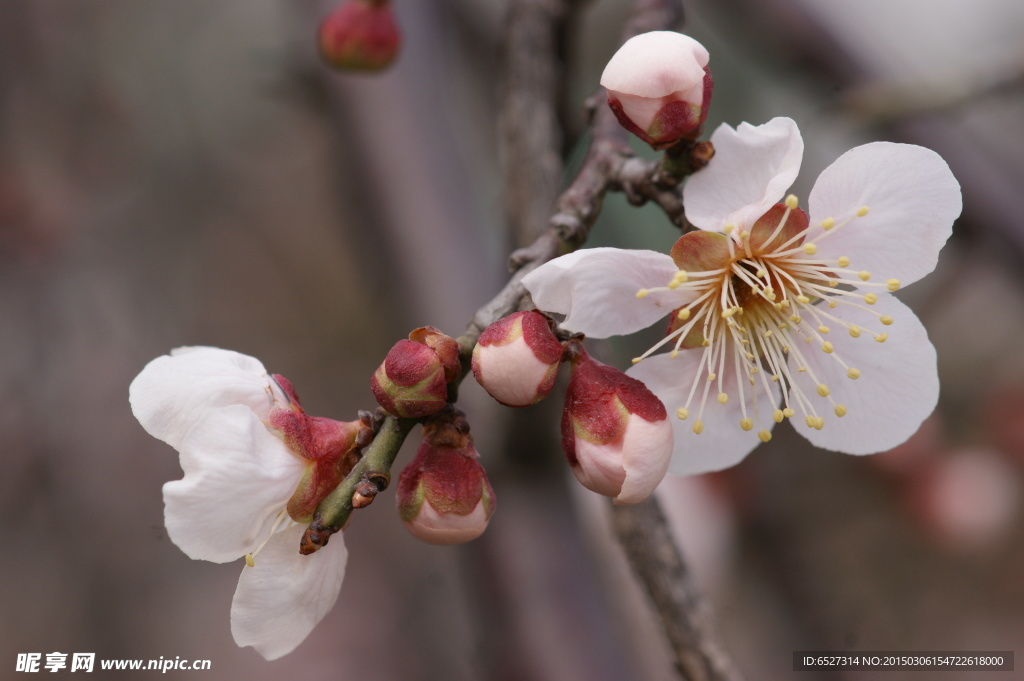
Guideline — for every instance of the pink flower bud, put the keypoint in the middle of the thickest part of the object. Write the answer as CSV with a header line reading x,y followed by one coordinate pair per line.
x,y
360,35
411,381
615,432
443,495
516,359
659,87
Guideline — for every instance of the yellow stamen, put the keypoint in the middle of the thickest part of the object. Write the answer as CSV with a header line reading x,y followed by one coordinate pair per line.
x,y
853,373
844,261
882,337
747,424
642,293
682,413
810,249
698,427
764,436
840,410
823,390
792,202
249,560
855,331
862,211
723,398
828,223
870,298
778,415
885,319
827,347
864,275
893,284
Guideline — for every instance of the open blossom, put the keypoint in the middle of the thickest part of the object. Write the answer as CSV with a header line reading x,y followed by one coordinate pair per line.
x,y
659,87
255,463
775,313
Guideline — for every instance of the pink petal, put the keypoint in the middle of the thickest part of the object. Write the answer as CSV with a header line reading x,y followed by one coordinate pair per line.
x,y
646,454
174,391
656,64
912,198
280,599
752,168
596,290
238,478
898,387
722,443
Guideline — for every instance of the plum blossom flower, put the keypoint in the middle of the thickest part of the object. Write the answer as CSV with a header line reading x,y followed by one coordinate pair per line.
x,y
775,314
254,464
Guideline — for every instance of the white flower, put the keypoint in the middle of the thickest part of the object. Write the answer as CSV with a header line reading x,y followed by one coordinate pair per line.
x,y
775,314
229,420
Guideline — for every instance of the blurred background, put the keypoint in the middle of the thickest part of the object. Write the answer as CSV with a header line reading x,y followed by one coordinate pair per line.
x,y
187,172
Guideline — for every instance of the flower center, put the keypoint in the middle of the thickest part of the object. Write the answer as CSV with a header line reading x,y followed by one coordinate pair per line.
x,y
760,312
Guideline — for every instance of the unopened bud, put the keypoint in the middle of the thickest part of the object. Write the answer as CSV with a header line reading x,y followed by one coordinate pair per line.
x,y
443,495
360,35
659,87
410,383
516,359
615,432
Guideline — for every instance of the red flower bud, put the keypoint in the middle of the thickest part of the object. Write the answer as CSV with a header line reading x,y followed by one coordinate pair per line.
x,y
516,359
360,35
443,495
615,432
411,381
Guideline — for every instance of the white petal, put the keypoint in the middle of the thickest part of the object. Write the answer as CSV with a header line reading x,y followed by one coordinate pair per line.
x,y
646,453
280,599
722,443
752,168
596,288
173,391
912,198
238,478
897,390
656,64
448,528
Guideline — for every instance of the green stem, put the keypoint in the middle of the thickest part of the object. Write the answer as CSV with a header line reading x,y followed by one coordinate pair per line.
x,y
368,477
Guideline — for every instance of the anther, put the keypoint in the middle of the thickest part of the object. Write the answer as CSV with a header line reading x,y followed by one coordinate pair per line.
x,y
747,424
637,360
249,560
764,436
796,319
853,373
840,410
789,412
683,314
802,299
862,211
682,413
729,227
827,348
822,328
712,376
642,293
819,422
792,202
809,421
885,319
893,284
864,275
828,223
855,331
723,398
698,427
823,390
844,261
778,415
833,304
882,337
870,298
810,249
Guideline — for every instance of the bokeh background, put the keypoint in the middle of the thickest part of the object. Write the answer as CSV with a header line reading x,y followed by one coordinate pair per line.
x,y
181,172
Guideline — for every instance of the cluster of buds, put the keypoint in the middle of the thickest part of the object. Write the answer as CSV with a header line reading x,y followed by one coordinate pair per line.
x,y
360,35
615,432
659,87
443,495
412,382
